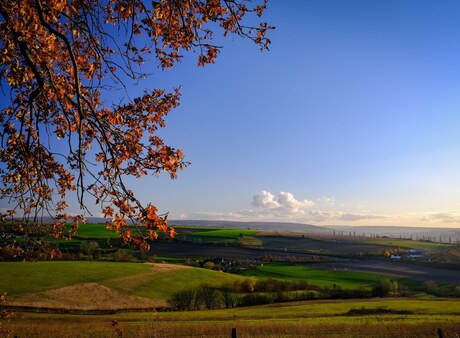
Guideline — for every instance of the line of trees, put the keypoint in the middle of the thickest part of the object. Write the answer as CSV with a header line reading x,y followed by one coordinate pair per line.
x,y
266,291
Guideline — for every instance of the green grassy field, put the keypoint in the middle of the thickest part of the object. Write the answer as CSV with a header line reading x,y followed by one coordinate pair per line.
x,y
99,231
86,232
410,244
375,318
225,233
163,285
315,276
18,278
227,236
95,231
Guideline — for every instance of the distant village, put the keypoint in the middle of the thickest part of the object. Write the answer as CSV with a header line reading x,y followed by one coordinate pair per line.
x,y
410,254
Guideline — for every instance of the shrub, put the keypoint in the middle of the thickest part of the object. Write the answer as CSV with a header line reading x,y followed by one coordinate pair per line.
x,y
457,291
248,285
274,285
209,296
10,253
191,262
257,299
208,265
185,300
243,286
228,298
384,288
268,285
89,247
292,296
122,256
404,290
430,286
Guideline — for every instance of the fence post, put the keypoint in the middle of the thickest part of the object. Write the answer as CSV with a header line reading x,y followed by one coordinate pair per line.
x,y
234,335
440,333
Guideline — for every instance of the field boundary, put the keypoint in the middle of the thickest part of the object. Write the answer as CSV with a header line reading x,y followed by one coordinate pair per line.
x,y
50,310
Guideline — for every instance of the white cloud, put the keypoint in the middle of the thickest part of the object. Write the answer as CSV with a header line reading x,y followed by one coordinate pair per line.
x,y
326,201
265,199
283,205
286,206
288,201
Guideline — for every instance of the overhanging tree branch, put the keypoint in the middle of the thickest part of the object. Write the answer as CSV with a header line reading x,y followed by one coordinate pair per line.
x,y
58,58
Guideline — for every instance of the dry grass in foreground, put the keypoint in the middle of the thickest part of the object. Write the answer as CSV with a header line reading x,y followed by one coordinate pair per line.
x,y
86,296
96,326
420,318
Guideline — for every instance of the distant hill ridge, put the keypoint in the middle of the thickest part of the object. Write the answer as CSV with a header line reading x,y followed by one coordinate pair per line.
x,y
445,234
274,226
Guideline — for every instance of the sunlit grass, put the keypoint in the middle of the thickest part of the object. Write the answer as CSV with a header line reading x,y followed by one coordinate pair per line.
x,y
303,319
95,231
18,278
315,276
228,236
164,284
410,244
227,233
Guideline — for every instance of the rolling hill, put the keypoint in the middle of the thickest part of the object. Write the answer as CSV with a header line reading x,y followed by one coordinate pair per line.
x,y
273,226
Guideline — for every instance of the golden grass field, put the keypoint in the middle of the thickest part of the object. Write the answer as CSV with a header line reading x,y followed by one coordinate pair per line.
x,y
301,319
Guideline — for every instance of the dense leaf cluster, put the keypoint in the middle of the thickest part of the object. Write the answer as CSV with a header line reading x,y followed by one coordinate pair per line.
x,y
60,132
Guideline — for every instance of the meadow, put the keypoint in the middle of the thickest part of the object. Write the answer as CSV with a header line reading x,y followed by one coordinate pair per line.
x,y
94,231
315,276
157,280
226,233
410,244
221,236
153,281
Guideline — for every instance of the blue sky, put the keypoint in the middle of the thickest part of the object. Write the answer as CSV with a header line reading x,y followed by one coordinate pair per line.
x,y
351,118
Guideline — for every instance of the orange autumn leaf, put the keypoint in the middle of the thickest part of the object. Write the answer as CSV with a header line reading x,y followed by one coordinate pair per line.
x,y
57,72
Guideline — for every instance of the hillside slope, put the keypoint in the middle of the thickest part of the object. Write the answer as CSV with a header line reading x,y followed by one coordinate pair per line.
x,y
100,285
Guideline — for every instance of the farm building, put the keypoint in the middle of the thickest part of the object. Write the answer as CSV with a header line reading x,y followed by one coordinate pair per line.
x,y
416,253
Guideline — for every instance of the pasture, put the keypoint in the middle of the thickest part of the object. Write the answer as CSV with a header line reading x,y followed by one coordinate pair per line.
x,y
25,282
86,231
226,233
409,244
224,236
315,276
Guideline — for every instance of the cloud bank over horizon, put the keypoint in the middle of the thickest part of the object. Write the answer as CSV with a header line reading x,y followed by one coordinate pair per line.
x,y
285,207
